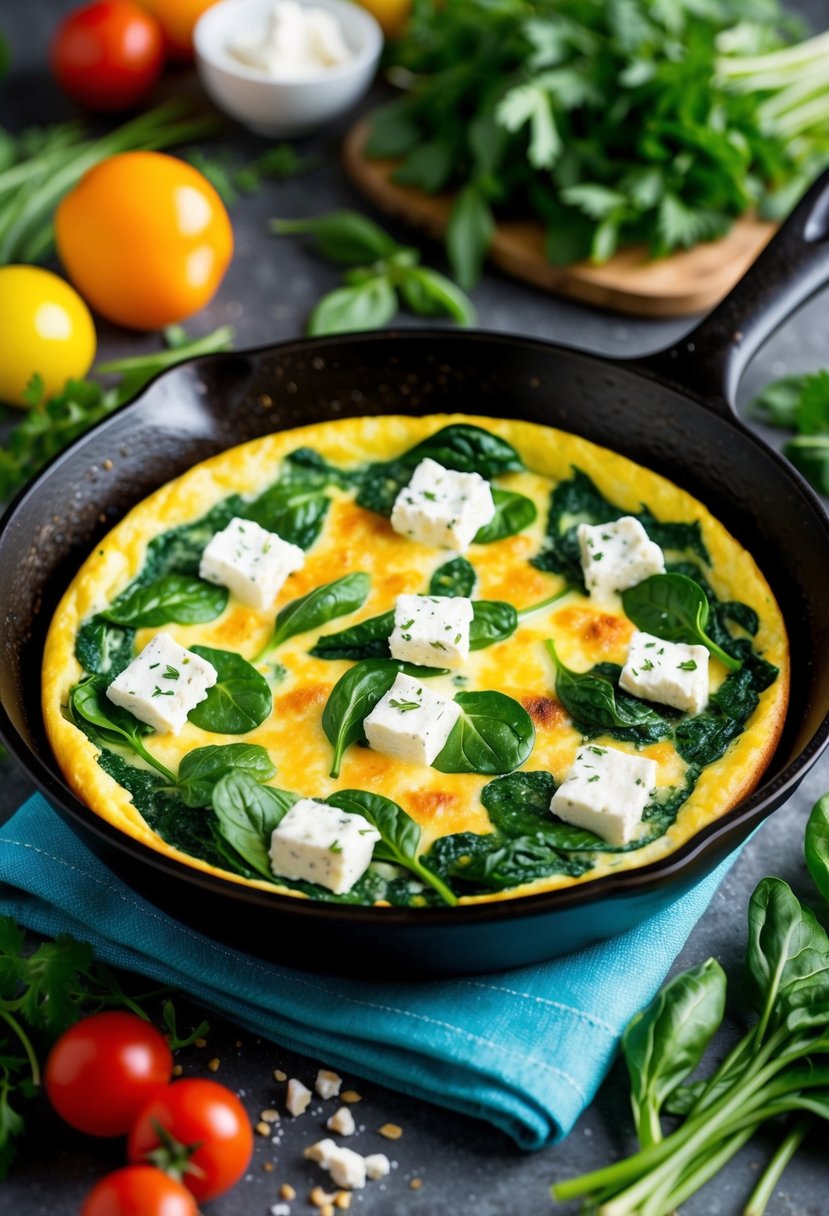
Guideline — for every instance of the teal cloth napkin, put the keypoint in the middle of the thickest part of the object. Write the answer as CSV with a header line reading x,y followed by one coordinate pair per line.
x,y
525,1050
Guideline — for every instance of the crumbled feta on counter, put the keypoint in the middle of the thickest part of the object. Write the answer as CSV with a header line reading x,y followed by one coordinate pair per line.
x,y
342,1122
672,673
163,684
328,1083
315,842
298,1097
605,791
411,722
250,561
377,1166
441,507
617,555
346,1167
431,630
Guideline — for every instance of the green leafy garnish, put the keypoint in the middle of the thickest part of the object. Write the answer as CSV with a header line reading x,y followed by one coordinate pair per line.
x,y
494,734
239,701
203,768
322,604
801,404
173,597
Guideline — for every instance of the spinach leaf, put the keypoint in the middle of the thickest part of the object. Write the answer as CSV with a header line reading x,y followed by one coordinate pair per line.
x,y
787,960
319,606
665,1042
455,577
468,449
179,550
492,621
201,769
673,607
367,640
353,698
400,834
172,597
494,734
817,845
104,649
109,725
294,511
491,863
595,703
239,701
519,805
246,815
702,739
674,537
380,485
307,465
513,513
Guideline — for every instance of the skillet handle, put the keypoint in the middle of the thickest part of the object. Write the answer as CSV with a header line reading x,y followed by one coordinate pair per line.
x,y
710,360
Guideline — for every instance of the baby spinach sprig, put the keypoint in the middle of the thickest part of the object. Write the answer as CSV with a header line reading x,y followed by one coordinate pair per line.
x,y
381,275
320,605
674,607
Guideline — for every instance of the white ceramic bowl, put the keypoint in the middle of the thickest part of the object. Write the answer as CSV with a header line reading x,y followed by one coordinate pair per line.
x,y
283,107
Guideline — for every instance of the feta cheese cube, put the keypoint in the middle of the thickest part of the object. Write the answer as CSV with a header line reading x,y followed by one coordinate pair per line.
x,y
617,555
672,673
163,684
250,561
342,1122
441,507
377,1166
411,722
605,791
298,1097
328,1083
431,630
319,843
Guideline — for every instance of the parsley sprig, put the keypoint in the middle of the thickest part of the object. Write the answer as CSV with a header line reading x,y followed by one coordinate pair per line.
x,y
801,404
652,121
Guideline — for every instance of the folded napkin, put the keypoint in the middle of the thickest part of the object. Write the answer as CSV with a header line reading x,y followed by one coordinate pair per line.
x,y
525,1050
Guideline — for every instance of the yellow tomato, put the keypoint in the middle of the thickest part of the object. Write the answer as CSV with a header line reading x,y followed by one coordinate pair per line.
x,y
45,328
392,14
145,239
177,19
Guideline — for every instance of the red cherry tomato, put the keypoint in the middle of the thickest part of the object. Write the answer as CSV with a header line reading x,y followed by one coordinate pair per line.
x,y
104,1069
108,55
204,1113
139,1190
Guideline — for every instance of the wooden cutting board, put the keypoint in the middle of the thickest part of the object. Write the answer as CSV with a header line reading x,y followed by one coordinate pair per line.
x,y
691,281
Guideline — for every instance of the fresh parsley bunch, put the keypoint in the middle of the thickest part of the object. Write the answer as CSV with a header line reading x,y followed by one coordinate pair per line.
x,y
801,404
612,122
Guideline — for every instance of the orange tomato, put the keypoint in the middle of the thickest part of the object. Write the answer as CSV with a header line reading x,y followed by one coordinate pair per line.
x,y
392,14
177,19
145,238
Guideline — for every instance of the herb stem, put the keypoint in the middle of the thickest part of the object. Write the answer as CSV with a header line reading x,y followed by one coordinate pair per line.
x,y
219,339
522,613
25,1043
141,750
773,1172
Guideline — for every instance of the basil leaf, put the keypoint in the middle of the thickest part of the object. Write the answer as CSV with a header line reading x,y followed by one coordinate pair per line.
x,y
468,235
202,769
367,640
468,449
787,960
239,701
355,695
319,606
665,1042
173,597
246,815
513,513
295,512
494,734
103,648
342,236
400,834
594,704
455,577
673,607
109,725
492,621
817,845
369,305
429,294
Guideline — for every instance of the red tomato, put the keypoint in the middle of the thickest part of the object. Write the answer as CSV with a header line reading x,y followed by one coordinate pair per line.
x,y
203,1113
139,1190
108,55
104,1069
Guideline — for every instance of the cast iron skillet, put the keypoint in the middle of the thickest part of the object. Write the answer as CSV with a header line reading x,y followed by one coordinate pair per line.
x,y
671,411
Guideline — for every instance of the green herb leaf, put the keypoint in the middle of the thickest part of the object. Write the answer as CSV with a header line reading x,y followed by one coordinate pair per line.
x,y
810,455
295,512
429,294
366,306
468,236
239,701
246,815
201,769
455,577
673,607
494,734
817,845
468,449
367,640
513,513
173,597
492,621
319,606
342,236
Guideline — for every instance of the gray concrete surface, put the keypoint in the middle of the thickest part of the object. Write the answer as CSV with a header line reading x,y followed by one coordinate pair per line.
x,y
465,1166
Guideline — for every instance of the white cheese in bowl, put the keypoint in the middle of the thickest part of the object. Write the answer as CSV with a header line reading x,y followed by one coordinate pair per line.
x,y
298,40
